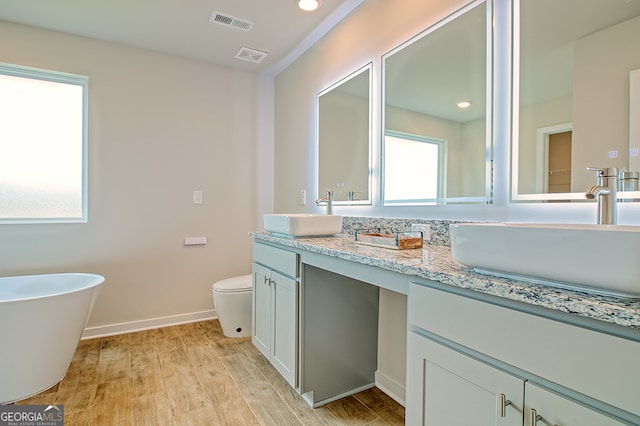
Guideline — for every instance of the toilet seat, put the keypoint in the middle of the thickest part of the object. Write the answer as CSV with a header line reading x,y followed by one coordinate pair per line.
x,y
234,285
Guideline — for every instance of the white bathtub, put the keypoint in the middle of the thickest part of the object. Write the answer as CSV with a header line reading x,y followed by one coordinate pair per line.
x,y
42,318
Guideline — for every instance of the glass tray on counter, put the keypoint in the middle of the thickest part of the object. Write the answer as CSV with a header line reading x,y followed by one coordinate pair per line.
x,y
392,240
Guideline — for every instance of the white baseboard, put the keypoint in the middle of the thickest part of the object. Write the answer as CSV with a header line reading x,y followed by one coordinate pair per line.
x,y
308,397
396,391
147,324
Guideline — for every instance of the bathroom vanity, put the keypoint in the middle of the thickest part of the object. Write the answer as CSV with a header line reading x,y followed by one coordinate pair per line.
x,y
480,350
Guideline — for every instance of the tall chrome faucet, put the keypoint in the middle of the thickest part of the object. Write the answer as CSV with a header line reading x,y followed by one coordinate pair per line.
x,y
328,201
605,192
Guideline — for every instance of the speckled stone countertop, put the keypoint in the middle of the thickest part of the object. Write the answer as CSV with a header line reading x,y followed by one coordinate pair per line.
x,y
435,263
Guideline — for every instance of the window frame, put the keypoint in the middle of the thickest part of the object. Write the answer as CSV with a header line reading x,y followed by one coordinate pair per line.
x,y
441,172
64,78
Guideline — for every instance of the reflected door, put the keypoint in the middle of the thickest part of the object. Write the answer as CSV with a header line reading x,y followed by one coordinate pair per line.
x,y
559,161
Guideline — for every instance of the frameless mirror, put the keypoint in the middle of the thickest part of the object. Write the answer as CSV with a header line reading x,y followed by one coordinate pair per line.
x,y
437,133
573,63
343,139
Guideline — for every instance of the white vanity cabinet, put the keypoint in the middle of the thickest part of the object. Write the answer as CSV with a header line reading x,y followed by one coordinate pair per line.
x,y
473,362
275,308
445,387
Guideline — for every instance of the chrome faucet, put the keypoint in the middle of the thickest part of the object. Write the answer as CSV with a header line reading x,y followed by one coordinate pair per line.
x,y
351,195
328,201
605,192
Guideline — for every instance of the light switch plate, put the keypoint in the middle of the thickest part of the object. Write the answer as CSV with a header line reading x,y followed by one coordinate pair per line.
x,y
197,197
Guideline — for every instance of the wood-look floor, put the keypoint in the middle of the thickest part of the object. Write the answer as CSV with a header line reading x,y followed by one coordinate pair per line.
x,y
192,375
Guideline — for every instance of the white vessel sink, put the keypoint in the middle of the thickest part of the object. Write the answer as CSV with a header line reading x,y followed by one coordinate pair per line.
x,y
302,225
596,258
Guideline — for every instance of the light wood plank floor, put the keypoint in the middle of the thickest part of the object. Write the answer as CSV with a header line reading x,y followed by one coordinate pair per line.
x,y
192,375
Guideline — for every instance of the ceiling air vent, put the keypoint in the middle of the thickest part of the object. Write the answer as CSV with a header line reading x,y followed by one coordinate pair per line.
x,y
250,55
230,21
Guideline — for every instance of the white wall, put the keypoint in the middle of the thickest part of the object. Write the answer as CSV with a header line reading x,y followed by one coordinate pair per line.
x,y
603,61
160,127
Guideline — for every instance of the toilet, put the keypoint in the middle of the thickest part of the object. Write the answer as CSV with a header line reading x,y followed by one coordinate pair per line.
x,y
232,302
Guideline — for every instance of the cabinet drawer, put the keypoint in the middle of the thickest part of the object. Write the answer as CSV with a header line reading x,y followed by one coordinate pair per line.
x,y
596,364
556,410
283,261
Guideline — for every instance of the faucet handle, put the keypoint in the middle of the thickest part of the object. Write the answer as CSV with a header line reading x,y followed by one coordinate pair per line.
x,y
351,195
604,171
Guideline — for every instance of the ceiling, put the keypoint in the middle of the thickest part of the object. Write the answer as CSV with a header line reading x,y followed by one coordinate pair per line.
x,y
182,28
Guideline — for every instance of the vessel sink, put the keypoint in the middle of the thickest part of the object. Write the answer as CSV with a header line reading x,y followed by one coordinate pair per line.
x,y
302,225
595,258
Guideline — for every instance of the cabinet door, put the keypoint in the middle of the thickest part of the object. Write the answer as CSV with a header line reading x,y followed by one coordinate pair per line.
x,y
445,387
544,408
285,326
261,320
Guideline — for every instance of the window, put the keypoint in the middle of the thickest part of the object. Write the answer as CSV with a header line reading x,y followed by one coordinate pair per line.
x,y
414,169
43,146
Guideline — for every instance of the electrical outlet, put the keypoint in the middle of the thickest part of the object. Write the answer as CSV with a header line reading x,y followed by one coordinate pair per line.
x,y
425,228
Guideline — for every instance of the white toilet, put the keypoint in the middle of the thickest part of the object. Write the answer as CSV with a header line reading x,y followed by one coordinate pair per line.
x,y
232,302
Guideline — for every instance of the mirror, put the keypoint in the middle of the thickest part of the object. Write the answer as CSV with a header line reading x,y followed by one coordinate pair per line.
x,y
344,124
572,94
435,151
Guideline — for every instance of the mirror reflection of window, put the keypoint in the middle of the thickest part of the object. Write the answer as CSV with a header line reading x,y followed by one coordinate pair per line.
x,y
437,84
414,169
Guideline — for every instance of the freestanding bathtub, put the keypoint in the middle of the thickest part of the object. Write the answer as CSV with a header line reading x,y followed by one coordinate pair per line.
x,y
42,318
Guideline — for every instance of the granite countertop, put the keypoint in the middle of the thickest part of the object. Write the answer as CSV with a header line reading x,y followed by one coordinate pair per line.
x,y
435,263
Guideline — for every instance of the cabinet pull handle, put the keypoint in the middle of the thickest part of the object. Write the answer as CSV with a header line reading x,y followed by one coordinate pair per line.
x,y
267,281
504,402
534,417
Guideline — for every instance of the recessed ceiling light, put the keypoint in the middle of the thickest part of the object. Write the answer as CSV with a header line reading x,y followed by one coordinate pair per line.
x,y
308,5
464,104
